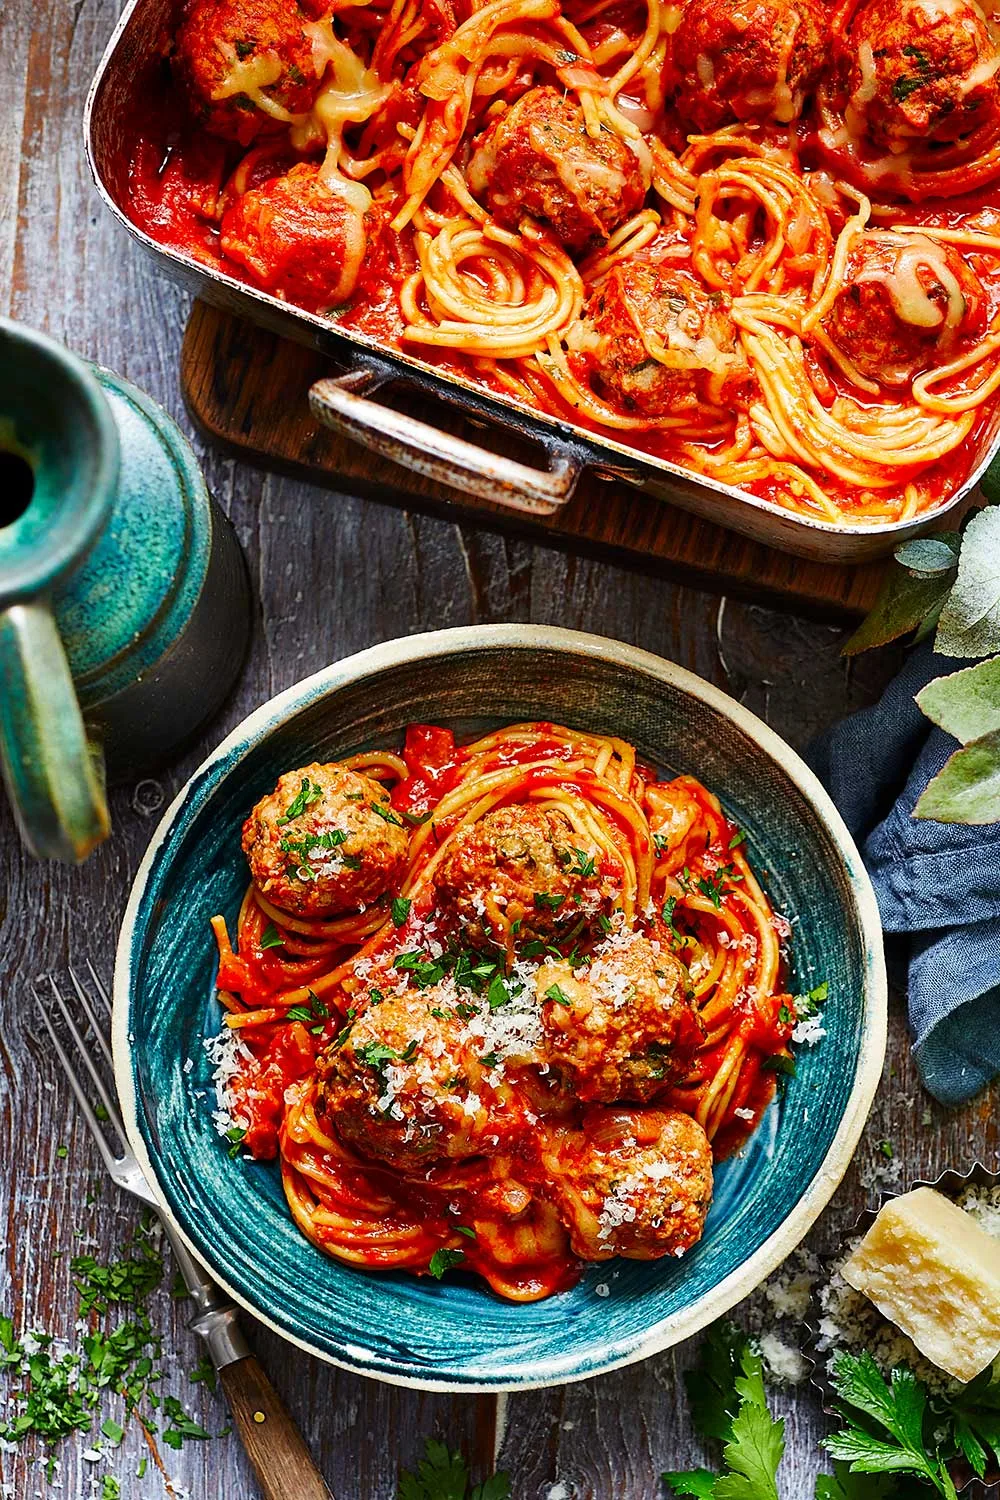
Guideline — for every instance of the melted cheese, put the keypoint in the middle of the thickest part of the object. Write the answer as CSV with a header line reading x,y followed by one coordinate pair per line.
x,y
350,95
980,74
902,282
251,76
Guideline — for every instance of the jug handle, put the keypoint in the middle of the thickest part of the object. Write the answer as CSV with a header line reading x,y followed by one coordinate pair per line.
x,y
53,773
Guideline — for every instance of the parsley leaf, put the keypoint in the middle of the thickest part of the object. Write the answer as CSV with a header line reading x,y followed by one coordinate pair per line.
x,y
544,899
400,910
580,862
726,1392
443,1260
385,812
559,996
442,1475
308,793
885,1422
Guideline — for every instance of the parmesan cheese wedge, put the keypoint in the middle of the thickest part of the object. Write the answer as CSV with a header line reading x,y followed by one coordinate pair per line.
x,y
930,1269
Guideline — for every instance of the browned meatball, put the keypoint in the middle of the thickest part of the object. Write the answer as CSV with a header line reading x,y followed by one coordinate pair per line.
x,y
326,840
299,238
920,70
525,865
632,1182
623,1027
246,65
403,1085
538,159
747,59
908,304
658,343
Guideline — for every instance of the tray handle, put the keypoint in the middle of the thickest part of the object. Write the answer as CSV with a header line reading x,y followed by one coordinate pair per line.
x,y
339,402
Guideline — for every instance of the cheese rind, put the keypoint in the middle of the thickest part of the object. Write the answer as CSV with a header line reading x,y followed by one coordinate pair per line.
x,y
930,1269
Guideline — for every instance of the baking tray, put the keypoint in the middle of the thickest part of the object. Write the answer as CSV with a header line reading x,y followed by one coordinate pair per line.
x,y
132,64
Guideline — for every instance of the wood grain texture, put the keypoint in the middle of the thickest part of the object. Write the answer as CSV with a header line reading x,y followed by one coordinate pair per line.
x,y
335,573
280,1458
247,390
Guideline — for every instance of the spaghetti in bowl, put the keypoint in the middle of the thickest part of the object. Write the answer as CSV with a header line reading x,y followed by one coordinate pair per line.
x,y
598,1116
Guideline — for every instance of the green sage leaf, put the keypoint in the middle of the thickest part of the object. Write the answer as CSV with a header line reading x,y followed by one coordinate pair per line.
x,y
970,620
967,787
904,600
965,703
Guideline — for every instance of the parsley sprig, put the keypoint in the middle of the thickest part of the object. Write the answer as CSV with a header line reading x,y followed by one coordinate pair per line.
x,y
442,1475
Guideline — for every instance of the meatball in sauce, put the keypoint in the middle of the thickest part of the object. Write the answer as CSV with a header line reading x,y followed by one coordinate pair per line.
x,y
631,1182
920,70
622,1026
525,869
658,343
747,60
404,1084
538,159
908,305
247,66
300,238
324,842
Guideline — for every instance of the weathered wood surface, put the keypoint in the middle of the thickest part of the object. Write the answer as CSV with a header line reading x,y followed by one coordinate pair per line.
x,y
333,574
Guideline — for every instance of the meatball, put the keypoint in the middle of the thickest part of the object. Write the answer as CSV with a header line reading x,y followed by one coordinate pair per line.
x,y
241,60
657,343
527,866
920,70
299,238
624,1026
402,1085
538,159
747,59
326,840
632,1182
907,305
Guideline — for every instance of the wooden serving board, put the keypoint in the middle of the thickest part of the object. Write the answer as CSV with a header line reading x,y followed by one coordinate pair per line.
x,y
247,389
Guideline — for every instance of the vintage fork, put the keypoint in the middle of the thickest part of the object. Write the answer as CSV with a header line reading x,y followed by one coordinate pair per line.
x,y
273,1443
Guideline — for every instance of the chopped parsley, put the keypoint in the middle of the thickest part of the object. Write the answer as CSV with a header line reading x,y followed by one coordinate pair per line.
x,y
376,1055
271,937
470,1234
580,863
738,838
558,996
713,887
400,910
661,843
384,811
415,819
669,908
545,900
808,1005
444,1260
425,971
308,793
235,1136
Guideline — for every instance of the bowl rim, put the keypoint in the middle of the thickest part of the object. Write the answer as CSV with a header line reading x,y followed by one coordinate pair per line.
x,y
427,646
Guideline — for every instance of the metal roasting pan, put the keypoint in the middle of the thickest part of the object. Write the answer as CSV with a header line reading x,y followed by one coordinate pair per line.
x,y
346,400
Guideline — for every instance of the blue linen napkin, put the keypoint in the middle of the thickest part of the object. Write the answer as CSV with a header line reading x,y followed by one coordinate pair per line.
x,y
937,884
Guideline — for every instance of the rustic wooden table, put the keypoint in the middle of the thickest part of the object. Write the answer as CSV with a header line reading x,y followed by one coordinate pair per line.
x,y
334,574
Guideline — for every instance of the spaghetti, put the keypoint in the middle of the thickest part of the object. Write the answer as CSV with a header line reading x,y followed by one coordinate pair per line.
x,y
561,994
665,222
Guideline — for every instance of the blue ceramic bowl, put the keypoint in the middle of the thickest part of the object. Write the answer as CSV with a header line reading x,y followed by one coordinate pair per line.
x,y
454,1335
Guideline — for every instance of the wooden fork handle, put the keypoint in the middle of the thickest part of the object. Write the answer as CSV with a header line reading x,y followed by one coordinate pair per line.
x,y
274,1444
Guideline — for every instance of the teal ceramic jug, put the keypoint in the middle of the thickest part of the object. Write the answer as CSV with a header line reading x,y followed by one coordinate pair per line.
x,y
124,598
